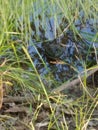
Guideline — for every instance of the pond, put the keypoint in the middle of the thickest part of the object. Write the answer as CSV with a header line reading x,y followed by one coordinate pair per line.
x,y
56,50
63,56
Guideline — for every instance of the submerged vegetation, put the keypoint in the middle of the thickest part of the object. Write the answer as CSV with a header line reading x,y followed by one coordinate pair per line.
x,y
46,45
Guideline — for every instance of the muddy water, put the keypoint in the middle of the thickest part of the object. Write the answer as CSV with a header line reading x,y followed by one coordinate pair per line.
x,y
77,52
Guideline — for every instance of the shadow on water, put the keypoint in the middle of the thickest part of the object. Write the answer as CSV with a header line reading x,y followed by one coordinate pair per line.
x,y
64,56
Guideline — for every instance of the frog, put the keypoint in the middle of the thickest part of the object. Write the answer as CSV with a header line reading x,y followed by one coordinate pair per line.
x,y
54,50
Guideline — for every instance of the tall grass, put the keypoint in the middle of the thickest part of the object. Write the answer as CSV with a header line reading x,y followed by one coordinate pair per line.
x,y
15,33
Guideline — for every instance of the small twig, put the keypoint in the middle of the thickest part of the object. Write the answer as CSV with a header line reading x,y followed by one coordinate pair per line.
x,y
18,99
75,81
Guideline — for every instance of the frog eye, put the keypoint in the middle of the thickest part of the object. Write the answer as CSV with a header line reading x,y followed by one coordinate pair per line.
x,y
56,49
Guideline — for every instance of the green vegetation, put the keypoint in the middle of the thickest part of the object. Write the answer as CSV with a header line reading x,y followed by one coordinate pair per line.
x,y
64,111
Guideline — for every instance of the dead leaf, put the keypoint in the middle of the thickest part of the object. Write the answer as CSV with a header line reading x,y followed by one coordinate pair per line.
x,y
17,109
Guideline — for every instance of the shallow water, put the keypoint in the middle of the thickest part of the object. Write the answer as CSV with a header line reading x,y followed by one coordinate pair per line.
x,y
78,52
73,59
